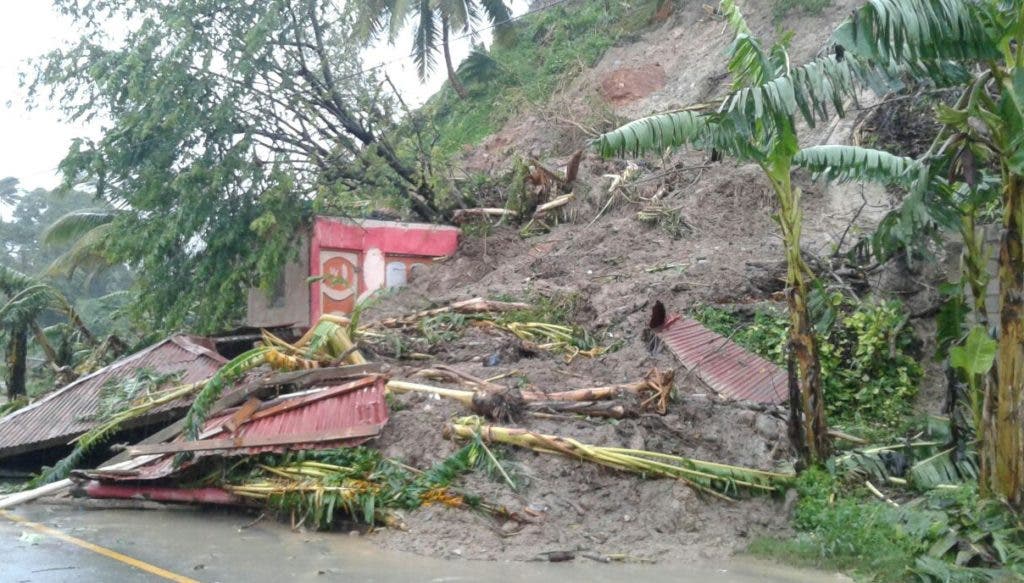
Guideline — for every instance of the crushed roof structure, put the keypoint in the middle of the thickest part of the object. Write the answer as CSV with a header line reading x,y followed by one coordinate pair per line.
x,y
343,415
70,411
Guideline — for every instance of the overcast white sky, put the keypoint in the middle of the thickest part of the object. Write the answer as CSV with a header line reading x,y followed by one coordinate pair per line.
x,y
33,143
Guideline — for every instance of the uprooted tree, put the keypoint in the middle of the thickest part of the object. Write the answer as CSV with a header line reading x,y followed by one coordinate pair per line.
x,y
757,122
227,125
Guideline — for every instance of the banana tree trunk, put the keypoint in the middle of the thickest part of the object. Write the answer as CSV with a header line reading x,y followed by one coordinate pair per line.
x,y
1007,446
17,355
974,265
445,48
979,395
808,427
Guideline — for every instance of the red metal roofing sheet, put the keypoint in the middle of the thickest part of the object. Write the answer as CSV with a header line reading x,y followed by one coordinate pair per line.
x,y
726,367
337,412
68,412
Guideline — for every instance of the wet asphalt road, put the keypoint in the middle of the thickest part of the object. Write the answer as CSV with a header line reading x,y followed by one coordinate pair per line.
x,y
212,546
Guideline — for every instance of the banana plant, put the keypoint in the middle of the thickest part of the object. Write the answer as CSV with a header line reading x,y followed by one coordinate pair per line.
x,y
24,300
924,36
757,123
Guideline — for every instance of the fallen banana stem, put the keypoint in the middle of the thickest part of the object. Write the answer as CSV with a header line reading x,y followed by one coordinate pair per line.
x,y
464,397
718,480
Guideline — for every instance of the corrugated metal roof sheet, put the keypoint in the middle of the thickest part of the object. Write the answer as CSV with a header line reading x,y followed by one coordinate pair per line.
x,y
726,367
338,411
68,412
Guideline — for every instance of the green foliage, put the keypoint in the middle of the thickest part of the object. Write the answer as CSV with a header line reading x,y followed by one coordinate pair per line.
x,y
543,51
442,328
977,355
946,535
869,373
117,394
846,163
229,126
357,481
212,389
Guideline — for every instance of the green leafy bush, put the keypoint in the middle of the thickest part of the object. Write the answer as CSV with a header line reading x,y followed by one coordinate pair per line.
x,y
946,535
869,373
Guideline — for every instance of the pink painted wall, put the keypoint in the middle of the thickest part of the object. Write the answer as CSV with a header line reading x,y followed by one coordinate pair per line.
x,y
358,253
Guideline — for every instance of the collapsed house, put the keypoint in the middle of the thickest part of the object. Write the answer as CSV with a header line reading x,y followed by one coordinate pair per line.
x,y
55,420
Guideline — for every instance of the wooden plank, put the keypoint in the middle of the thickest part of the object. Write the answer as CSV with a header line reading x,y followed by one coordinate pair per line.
x,y
298,379
242,415
243,442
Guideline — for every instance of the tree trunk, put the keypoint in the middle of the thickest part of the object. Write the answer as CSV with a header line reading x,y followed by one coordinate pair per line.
x,y
452,77
1007,445
809,427
17,353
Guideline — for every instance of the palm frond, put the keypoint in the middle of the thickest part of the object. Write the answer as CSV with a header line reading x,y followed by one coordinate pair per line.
x,y
497,12
399,13
656,133
12,281
87,252
846,163
943,468
919,32
212,389
748,63
424,40
479,67
459,13
30,301
808,90
76,224
734,18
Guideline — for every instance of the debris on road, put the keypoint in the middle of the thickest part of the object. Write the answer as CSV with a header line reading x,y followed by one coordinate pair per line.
x,y
303,428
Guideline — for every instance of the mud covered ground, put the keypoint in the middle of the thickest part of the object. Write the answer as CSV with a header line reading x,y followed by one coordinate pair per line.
x,y
582,507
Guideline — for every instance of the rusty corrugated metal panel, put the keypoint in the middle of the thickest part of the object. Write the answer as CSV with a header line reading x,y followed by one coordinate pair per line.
x,y
731,371
68,412
364,406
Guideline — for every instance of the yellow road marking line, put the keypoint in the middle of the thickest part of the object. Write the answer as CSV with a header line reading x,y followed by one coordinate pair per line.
x,y
143,566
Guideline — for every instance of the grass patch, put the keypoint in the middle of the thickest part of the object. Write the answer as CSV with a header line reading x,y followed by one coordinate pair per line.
x,y
781,8
545,51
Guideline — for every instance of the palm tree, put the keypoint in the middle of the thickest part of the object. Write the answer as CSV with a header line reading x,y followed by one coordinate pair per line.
x,y
925,37
434,22
757,122
26,299
88,231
